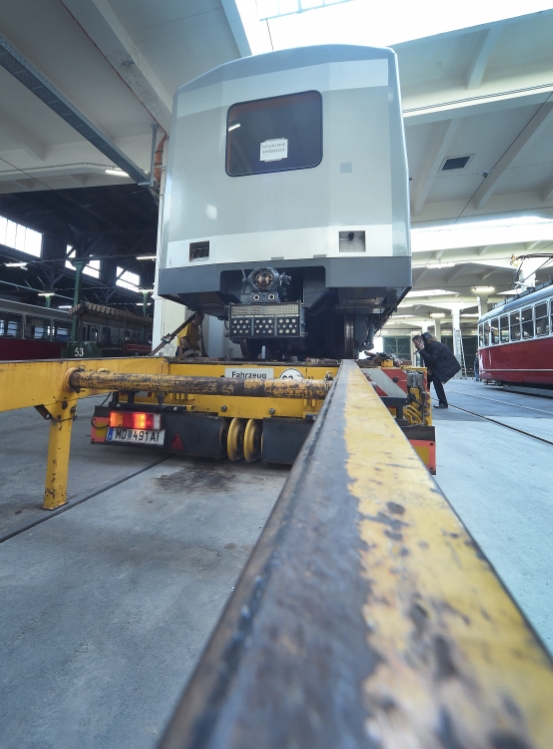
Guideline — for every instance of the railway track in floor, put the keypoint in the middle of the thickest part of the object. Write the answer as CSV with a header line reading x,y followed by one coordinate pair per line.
x,y
498,422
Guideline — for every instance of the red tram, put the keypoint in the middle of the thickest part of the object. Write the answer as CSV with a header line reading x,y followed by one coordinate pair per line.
x,y
515,340
28,332
31,332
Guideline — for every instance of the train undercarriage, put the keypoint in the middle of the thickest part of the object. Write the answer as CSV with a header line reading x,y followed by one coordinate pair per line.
x,y
324,308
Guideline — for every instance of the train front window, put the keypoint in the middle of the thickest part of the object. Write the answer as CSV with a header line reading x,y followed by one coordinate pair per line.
x,y
504,329
542,319
486,333
11,326
38,328
494,327
528,322
275,135
515,326
480,335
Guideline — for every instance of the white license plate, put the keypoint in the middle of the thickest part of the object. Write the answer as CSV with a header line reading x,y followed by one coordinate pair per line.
x,y
136,436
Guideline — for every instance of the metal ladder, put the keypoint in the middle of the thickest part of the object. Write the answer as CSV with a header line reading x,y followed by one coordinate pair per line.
x,y
458,344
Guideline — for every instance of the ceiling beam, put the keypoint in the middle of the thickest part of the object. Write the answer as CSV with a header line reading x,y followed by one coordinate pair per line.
x,y
547,192
444,132
458,272
481,56
236,26
32,145
36,83
534,128
105,30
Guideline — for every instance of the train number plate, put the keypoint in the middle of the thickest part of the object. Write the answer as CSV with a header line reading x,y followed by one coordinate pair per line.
x,y
136,436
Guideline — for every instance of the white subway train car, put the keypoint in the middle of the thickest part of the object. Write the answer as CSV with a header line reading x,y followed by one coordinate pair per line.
x,y
286,210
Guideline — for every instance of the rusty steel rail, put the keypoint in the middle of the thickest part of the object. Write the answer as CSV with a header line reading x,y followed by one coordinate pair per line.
x,y
194,385
367,616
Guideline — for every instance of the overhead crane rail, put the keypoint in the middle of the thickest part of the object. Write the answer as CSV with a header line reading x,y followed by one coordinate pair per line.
x,y
366,616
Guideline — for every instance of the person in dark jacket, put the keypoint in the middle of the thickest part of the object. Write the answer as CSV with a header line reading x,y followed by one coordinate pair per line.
x,y
477,368
440,362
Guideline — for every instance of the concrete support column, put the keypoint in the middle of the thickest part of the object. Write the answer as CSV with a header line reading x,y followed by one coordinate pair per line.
x,y
456,327
438,329
482,305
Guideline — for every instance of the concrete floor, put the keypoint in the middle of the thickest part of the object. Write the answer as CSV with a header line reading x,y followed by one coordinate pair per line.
x,y
23,450
105,608
499,483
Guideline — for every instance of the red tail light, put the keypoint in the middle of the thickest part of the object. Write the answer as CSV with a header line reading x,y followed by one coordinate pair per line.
x,y
133,420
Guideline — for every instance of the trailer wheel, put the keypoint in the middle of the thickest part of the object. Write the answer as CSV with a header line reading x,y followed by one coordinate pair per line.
x,y
252,441
235,440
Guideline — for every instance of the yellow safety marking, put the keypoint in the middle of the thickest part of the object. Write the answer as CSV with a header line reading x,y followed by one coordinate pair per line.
x,y
458,665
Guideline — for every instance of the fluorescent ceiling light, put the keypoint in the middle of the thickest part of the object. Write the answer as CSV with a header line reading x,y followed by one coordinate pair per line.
x,y
16,265
429,292
513,230
470,314
437,314
509,292
233,127
145,257
64,306
46,293
116,172
435,266
483,289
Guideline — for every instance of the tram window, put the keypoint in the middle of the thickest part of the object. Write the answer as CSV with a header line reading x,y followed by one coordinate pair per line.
x,y
515,326
275,135
38,328
93,334
11,326
494,327
106,335
61,331
480,335
504,329
528,322
486,334
542,319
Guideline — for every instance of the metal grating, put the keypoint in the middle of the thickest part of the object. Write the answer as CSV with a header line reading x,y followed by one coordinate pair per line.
x,y
15,64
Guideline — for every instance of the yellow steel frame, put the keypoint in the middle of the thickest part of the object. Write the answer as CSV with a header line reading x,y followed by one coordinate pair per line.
x,y
41,384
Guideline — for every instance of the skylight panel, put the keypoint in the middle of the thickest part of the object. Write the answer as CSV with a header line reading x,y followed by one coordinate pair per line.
x,y
284,24
127,279
276,8
20,237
